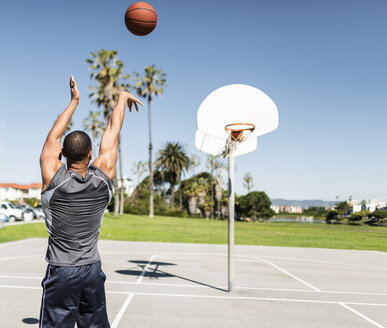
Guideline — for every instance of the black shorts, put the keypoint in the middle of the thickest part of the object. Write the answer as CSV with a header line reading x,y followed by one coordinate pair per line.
x,y
74,295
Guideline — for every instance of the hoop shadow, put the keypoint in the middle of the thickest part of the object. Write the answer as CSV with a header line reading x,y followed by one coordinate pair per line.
x,y
156,273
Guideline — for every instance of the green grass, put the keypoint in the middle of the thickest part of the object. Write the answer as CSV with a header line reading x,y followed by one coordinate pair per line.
x,y
183,230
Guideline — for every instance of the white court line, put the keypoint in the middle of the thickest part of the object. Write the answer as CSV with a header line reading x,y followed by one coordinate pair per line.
x,y
144,271
292,275
11,243
270,299
264,256
20,287
124,306
221,287
119,315
18,257
361,315
324,262
286,258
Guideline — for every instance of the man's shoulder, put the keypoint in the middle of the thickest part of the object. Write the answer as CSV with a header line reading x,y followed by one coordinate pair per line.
x,y
59,176
100,174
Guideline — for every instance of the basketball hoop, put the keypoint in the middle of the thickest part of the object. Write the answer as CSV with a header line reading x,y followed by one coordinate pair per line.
x,y
239,131
228,104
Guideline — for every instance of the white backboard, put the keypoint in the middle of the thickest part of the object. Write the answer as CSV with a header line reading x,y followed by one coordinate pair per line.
x,y
237,103
234,103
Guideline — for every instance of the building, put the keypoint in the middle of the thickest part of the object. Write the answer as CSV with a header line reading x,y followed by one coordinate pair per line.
x,y
372,205
286,209
14,191
128,185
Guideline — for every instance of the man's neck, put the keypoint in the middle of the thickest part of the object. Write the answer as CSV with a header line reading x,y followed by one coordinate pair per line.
x,y
80,168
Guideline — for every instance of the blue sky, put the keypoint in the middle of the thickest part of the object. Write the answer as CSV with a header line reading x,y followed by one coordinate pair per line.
x,y
322,62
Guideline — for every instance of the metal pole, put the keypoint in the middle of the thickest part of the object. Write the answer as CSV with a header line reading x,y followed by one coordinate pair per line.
x,y
231,170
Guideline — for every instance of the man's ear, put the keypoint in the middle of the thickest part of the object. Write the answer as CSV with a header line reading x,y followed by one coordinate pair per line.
x,y
91,155
61,154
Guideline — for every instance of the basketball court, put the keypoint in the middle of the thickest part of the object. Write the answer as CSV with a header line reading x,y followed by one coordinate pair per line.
x,y
185,285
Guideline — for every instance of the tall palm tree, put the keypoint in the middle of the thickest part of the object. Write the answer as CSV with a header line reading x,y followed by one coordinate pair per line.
x,y
93,124
248,181
138,169
214,164
194,162
174,161
107,72
162,170
147,86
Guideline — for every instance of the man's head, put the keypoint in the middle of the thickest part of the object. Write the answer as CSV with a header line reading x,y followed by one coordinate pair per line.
x,y
77,147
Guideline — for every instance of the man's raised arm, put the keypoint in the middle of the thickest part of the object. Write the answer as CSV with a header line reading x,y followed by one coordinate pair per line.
x,y
107,158
51,152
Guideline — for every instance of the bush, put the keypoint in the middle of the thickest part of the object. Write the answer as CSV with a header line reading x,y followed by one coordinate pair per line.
x,y
378,217
358,216
138,203
332,217
254,204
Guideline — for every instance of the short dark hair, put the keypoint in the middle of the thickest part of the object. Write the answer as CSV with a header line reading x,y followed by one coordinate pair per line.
x,y
76,146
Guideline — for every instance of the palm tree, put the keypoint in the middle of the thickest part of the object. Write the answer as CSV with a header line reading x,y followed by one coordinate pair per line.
x,y
107,72
138,169
147,86
194,162
93,124
174,161
248,181
214,164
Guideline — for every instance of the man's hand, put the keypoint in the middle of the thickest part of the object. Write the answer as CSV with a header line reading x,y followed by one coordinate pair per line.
x,y
74,90
130,99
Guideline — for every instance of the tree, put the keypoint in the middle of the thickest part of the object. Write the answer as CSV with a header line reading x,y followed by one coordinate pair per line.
x,y
214,164
316,211
149,85
93,124
358,216
248,181
173,160
332,217
138,169
107,72
377,217
194,162
254,204
342,208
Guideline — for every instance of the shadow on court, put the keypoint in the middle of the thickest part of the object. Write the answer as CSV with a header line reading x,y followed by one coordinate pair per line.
x,y
154,271
30,321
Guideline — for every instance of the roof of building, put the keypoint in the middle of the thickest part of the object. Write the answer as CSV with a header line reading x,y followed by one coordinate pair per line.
x,y
21,187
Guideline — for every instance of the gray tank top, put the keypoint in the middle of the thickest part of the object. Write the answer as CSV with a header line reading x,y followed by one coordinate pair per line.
x,y
74,208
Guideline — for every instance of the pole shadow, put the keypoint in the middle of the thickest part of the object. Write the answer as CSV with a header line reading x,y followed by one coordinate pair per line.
x,y
155,272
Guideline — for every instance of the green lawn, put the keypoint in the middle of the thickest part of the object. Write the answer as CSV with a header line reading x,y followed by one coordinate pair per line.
x,y
182,230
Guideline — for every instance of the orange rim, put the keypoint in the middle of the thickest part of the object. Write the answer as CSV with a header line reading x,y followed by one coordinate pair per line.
x,y
239,131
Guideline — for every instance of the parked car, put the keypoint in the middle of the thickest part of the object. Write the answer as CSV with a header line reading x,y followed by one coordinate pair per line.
x,y
4,218
37,212
14,213
28,214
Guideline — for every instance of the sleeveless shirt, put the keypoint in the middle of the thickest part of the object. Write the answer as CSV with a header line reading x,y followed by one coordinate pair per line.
x,y
74,207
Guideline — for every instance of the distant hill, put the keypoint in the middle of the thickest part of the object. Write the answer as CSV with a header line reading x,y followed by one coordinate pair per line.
x,y
303,203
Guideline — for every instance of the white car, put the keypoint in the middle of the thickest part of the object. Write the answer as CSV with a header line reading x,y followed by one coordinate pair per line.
x,y
14,213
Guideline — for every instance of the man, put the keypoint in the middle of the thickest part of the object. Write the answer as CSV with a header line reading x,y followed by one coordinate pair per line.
x,y
74,199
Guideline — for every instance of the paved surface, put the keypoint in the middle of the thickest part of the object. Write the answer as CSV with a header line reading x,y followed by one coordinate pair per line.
x,y
184,285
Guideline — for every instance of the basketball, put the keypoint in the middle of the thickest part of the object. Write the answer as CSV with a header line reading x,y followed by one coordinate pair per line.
x,y
140,18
